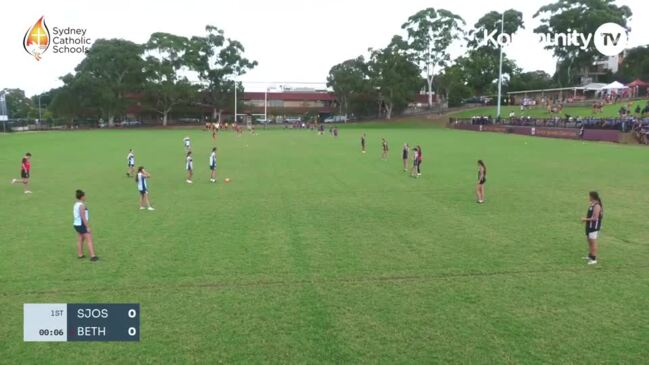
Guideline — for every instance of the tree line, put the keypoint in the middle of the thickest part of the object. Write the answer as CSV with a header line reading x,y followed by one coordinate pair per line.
x,y
420,58
117,73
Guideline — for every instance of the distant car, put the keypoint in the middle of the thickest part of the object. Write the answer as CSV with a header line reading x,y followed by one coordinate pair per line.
x,y
130,123
293,120
263,121
337,119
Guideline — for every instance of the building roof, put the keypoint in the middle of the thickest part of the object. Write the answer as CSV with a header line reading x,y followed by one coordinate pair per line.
x,y
291,96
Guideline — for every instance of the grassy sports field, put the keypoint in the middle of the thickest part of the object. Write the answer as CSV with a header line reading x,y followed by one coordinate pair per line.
x,y
609,111
317,253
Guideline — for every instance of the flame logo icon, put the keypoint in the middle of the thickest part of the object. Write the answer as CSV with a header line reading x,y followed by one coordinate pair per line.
x,y
37,39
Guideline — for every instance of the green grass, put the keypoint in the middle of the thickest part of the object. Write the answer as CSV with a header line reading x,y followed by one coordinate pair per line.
x,y
315,253
609,111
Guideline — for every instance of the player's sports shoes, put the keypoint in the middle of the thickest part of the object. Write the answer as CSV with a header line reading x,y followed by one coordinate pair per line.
x,y
189,181
142,208
94,258
27,192
81,257
150,208
586,258
592,262
13,181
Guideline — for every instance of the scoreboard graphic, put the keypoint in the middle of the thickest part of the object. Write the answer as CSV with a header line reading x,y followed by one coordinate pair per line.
x,y
56,322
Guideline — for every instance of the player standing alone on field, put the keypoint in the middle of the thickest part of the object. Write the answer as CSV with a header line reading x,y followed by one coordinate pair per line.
x,y
482,179
130,158
404,155
188,144
213,165
25,170
143,187
363,143
189,166
593,222
81,225
385,149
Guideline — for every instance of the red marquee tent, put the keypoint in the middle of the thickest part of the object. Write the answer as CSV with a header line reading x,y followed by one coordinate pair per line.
x,y
639,87
638,83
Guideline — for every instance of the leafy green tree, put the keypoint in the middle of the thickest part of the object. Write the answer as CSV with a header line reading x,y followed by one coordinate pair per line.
x,y
395,77
111,70
352,86
69,100
481,68
430,34
482,61
534,80
218,61
19,106
165,88
635,64
452,85
581,16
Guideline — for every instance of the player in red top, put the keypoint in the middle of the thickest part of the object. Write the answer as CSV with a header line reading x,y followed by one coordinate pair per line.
x,y
25,170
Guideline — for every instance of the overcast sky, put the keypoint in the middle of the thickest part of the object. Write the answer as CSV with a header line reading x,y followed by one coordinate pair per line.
x,y
293,40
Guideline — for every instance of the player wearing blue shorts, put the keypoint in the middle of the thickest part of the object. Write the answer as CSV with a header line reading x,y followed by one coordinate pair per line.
x,y
143,187
130,160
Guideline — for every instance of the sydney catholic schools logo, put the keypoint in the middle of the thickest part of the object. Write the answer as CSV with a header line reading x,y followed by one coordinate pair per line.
x,y
37,39
64,40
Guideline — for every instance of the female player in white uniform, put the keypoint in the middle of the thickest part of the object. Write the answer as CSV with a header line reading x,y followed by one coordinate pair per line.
x,y
188,143
130,158
143,187
213,165
189,166
80,223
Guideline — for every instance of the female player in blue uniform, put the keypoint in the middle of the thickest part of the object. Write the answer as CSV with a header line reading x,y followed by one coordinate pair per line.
x,y
213,165
81,225
189,166
593,222
143,187
482,179
130,159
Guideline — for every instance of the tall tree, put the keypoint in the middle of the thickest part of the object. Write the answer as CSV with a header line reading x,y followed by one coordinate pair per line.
x,y
635,64
430,34
533,80
19,106
112,69
395,77
218,61
452,85
165,88
482,61
581,16
351,84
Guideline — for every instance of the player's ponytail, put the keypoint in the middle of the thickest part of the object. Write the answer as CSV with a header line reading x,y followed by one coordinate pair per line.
x,y
484,168
595,196
139,169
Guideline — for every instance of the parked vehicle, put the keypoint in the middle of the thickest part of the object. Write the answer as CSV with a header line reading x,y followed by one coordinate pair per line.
x,y
130,123
336,119
293,120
